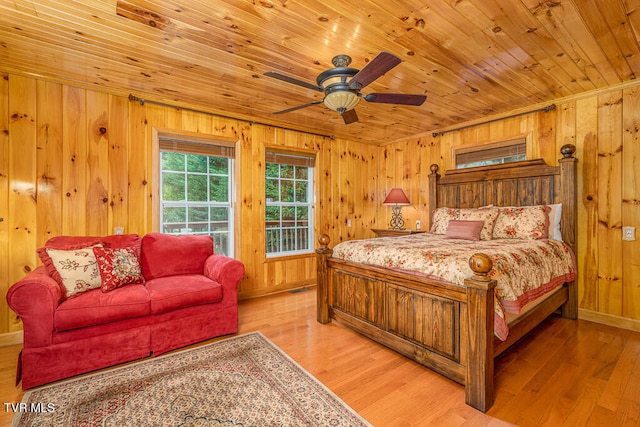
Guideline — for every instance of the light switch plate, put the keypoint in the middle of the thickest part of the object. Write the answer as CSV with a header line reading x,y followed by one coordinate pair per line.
x,y
628,233
418,224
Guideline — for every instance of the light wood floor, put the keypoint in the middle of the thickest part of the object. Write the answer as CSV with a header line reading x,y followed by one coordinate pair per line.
x,y
566,373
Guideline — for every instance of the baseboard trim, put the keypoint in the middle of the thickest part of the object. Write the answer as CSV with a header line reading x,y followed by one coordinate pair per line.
x,y
609,319
11,338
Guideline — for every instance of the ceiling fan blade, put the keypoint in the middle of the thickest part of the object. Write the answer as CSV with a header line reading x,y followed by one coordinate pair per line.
x,y
293,80
350,116
298,107
379,65
396,98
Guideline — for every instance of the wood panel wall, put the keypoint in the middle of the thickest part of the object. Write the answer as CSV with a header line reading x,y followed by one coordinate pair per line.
x,y
80,161
605,128
75,161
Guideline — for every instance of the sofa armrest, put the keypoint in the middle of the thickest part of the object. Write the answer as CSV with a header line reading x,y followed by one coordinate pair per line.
x,y
34,299
226,271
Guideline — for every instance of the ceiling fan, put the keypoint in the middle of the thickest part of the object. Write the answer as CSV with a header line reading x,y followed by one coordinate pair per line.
x,y
341,86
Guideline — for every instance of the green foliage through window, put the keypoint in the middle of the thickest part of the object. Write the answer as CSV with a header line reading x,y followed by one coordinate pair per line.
x,y
195,196
288,212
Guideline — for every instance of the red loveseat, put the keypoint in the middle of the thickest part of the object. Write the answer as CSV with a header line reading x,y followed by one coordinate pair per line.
x,y
179,293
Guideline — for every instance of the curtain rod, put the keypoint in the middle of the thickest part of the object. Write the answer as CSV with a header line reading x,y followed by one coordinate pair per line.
x,y
142,101
546,109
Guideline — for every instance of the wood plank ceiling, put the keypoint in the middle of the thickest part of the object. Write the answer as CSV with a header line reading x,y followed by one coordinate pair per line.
x,y
471,58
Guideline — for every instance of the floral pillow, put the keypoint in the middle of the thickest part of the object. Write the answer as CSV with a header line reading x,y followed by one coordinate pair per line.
x,y
528,222
440,219
75,270
118,267
488,215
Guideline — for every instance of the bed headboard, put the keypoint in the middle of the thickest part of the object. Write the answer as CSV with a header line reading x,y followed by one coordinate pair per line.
x,y
529,182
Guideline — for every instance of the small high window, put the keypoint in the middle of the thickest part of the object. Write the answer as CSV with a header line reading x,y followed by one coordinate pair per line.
x,y
490,154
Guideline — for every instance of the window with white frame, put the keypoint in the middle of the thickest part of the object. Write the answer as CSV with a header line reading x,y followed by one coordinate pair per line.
x,y
196,190
491,154
289,203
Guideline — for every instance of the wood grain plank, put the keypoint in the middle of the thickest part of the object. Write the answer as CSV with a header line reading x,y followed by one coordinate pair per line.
x,y
631,203
8,320
22,201
97,164
610,203
588,183
74,180
49,161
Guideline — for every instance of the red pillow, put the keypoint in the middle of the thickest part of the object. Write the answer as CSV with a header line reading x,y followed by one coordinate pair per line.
x,y
118,267
170,255
464,229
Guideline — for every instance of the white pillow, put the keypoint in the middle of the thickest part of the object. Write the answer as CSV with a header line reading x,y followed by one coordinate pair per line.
x,y
555,215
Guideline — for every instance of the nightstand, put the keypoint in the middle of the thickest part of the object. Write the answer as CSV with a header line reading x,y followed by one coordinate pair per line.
x,y
385,232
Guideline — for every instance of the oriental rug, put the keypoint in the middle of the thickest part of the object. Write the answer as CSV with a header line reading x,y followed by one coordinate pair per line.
x,y
240,381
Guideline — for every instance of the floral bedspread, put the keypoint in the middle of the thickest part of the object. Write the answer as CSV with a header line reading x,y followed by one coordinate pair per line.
x,y
523,269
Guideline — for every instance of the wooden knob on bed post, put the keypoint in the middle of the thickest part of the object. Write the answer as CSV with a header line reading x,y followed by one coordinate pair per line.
x,y
568,150
323,253
481,265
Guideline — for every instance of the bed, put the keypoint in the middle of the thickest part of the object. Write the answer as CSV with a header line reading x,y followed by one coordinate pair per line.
x,y
446,326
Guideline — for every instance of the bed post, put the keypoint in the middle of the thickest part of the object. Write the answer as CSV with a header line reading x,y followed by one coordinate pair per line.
x,y
322,278
432,202
480,314
569,199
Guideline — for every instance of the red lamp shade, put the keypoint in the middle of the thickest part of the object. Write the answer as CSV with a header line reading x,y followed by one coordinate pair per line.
x,y
396,197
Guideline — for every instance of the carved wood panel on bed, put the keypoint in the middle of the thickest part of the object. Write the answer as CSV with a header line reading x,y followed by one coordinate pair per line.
x,y
447,327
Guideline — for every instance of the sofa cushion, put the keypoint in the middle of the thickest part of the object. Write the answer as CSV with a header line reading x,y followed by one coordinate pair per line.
x,y
172,293
170,255
113,241
96,307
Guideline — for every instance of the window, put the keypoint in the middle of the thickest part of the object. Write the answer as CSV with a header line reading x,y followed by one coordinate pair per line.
x,y
196,190
289,207
490,154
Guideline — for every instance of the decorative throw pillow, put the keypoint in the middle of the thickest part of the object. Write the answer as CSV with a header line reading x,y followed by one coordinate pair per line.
x,y
440,219
464,229
118,267
527,222
75,270
487,215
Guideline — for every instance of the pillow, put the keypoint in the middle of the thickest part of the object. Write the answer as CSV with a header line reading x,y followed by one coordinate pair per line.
x,y
527,222
75,270
118,267
440,219
169,255
555,216
487,215
464,229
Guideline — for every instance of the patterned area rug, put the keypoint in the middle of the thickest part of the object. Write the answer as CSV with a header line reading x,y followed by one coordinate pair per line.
x,y
241,381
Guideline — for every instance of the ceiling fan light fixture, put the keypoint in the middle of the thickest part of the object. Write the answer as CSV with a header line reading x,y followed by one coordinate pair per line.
x,y
341,100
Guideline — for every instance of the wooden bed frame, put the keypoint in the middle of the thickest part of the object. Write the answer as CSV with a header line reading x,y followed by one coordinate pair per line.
x,y
446,327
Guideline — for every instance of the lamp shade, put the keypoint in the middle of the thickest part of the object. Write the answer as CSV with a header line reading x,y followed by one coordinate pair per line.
x,y
341,100
396,197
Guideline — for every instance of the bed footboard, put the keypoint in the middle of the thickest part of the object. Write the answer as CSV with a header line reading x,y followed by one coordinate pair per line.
x,y
444,327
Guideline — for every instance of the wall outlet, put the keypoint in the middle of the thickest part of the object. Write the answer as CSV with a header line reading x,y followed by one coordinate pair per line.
x,y
628,233
118,230
349,223
418,224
